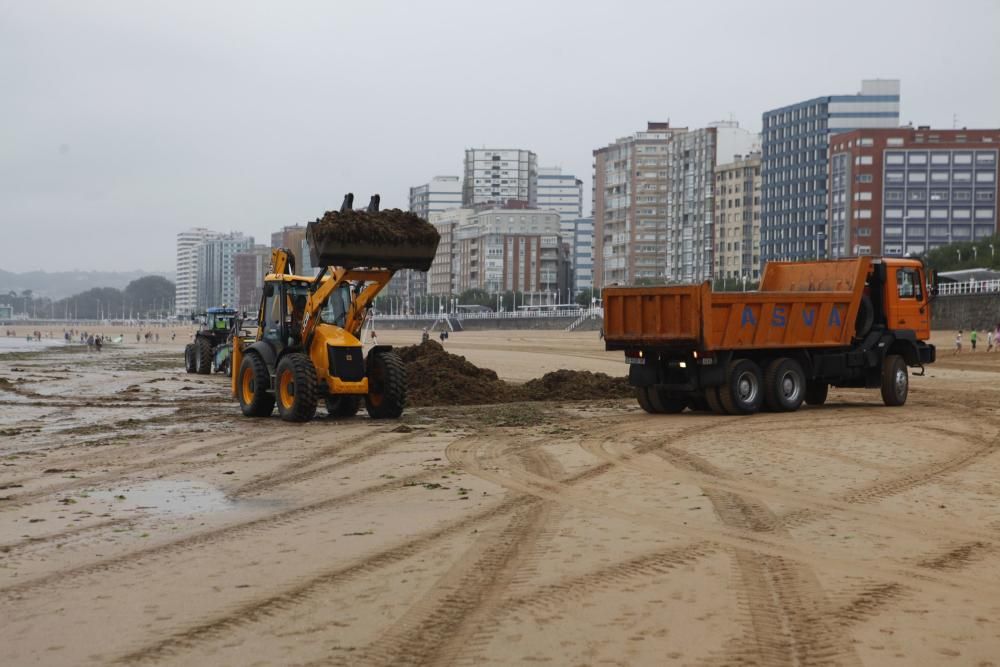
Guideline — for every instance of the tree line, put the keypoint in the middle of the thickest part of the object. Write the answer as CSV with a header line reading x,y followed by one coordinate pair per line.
x,y
148,297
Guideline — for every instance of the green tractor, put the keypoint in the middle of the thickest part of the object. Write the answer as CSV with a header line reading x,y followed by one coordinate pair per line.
x,y
212,346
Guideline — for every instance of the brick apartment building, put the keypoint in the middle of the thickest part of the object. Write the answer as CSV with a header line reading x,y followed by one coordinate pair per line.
x,y
909,190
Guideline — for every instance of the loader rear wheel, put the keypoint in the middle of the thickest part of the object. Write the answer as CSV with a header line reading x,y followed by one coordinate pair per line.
x,y
189,362
254,382
202,357
386,396
816,392
742,394
664,404
340,406
297,392
895,380
784,385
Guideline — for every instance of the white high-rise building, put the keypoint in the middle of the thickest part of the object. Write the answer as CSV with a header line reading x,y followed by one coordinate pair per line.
x,y
560,192
217,269
579,235
499,176
186,288
440,194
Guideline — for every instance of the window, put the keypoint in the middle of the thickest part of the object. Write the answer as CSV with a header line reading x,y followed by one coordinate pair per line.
x,y
894,177
940,158
864,231
862,196
963,176
864,178
916,195
894,158
984,213
862,214
866,141
908,284
939,231
917,177
939,214
893,213
985,157
916,214
963,158
985,177
893,230
984,195
894,141
939,195
961,195
918,158
939,176
960,214
863,160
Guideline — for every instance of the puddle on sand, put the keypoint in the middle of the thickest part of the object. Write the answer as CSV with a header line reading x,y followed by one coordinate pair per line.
x,y
167,497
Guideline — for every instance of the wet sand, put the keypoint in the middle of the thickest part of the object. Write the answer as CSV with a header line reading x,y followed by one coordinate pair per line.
x,y
144,521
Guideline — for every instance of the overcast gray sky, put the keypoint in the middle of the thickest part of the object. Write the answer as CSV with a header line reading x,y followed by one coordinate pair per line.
x,y
123,123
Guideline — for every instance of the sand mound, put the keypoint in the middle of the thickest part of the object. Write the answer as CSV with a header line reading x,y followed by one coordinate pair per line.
x,y
437,377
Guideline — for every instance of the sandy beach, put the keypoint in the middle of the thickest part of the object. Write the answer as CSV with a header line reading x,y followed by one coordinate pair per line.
x,y
143,520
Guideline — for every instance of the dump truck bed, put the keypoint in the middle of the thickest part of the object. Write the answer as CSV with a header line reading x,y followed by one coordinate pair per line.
x,y
810,304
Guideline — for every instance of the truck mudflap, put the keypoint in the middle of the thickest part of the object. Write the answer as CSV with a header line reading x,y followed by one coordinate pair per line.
x,y
676,379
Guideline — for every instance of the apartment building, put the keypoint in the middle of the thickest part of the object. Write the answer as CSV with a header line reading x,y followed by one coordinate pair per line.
x,y
439,194
906,191
186,287
441,277
737,219
630,206
560,192
249,269
794,164
578,235
500,175
217,269
692,158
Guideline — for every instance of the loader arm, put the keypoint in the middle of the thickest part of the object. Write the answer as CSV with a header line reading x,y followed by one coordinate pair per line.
x,y
376,280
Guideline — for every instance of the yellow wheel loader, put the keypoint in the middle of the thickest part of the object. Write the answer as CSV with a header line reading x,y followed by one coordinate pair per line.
x,y
307,347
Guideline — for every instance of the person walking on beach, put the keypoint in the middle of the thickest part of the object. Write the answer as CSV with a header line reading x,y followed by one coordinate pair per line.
x,y
98,342
972,339
424,337
989,340
958,342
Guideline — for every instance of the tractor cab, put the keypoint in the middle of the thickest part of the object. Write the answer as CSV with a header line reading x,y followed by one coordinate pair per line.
x,y
220,319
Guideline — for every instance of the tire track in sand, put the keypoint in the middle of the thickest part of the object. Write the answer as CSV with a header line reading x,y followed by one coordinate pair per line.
x,y
452,617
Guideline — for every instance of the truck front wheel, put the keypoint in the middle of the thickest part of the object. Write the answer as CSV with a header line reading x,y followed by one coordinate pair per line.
x,y
784,385
895,380
742,394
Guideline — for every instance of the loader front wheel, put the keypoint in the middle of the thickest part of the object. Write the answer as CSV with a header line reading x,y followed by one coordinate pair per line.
x,y
254,381
340,406
742,395
296,390
386,396
189,362
202,357
895,380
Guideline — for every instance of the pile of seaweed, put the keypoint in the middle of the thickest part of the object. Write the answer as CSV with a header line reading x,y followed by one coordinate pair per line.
x,y
391,227
437,377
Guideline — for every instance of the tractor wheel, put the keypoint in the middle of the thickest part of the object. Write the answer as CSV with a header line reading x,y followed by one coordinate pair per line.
x,y
202,357
297,391
642,395
254,382
339,406
742,394
663,404
816,392
189,361
386,386
784,385
895,380
712,400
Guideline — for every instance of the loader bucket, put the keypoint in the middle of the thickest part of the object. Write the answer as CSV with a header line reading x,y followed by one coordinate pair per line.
x,y
391,239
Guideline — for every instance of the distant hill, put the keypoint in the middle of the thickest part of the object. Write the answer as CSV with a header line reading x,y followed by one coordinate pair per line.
x,y
61,284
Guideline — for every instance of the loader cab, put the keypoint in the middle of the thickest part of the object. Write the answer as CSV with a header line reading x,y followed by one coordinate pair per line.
x,y
282,312
906,297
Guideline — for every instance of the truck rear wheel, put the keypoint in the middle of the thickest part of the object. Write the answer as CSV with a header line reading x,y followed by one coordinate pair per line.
x,y
252,387
663,404
189,363
297,393
712,400
642,396
742,394
895,380
816,392
386,396
340,406
202,356
784,385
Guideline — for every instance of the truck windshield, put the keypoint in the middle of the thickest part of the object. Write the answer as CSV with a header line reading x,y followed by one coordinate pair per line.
x,y
335,311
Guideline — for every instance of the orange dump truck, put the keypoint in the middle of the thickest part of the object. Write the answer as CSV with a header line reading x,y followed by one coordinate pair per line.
x,y
857,322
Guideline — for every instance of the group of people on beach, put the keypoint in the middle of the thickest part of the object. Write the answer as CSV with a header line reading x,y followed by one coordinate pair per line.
x,y
992,339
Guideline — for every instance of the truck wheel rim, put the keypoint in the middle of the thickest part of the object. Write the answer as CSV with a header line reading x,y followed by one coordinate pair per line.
x,y
746,387
286,388
790,386
248,385
901,382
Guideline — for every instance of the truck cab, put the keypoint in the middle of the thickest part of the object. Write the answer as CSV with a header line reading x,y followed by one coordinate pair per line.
x,y
905,296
